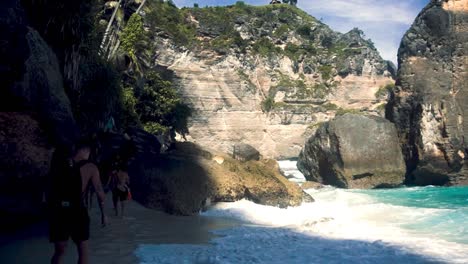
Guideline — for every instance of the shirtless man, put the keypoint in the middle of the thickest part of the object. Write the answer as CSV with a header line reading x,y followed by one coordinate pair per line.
x,y
69,216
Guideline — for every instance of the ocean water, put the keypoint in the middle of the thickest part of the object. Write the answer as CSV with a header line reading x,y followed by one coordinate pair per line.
x,y
405,225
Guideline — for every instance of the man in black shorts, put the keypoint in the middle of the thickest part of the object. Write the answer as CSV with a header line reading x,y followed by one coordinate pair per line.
x,y
68,213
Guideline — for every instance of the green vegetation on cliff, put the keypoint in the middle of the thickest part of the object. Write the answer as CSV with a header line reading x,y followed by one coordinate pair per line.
x,y
150,97
131,35
217,27
172,20
126,87
385,90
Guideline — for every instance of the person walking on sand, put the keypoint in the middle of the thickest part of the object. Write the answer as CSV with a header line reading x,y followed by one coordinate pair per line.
x,y
68,214
120,188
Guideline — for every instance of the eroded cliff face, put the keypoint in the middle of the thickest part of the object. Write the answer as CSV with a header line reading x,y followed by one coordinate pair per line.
x,y
288,73
430,102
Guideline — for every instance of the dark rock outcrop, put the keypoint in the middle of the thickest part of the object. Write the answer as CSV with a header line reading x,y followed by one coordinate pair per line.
x,y
245,152
430,103
354,151
24,164
35,114
31,75
188,178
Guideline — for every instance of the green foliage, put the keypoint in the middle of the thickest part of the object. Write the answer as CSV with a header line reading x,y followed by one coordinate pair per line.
x,y
330,106
384,90
286,83
348,52
327,42
294,52
268,104
129,116
220,24
240,4
265,48
156,100
300,88
381,107
326,71
304,30
228,40
320,90
155,128
172,21
343,111
159,107
371,44
337,49
131,35
99,97
281,30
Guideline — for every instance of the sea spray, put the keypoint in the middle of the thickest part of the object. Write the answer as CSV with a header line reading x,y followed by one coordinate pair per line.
x,y
406,225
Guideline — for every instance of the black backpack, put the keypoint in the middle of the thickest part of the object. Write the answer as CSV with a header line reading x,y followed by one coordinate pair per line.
x,y
66,187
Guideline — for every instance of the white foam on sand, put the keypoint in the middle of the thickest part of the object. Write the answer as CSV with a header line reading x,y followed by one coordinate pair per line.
x,y
340,227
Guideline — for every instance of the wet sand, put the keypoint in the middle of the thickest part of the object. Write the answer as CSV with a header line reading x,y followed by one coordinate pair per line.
x,y
117,242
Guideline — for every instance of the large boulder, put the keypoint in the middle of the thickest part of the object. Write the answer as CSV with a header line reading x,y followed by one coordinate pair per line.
x,y
354,151
185,180
430,103
245,152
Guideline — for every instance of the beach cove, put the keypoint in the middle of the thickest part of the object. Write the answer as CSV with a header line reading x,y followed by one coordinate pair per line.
x,y
404,225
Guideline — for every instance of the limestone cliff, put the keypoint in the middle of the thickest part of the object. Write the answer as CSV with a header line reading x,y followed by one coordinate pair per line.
x,y
430,102
263,75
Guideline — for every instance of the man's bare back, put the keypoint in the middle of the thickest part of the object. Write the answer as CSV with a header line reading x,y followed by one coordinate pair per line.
x,y
89,172
70,217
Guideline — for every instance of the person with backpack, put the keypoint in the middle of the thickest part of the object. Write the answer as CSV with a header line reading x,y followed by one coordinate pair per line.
x,y
71,175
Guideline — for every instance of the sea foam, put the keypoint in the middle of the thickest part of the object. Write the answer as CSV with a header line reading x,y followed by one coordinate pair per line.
x,y
342,226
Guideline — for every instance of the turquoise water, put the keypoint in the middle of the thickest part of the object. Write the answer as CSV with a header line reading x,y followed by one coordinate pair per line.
x,y
448,218
407,225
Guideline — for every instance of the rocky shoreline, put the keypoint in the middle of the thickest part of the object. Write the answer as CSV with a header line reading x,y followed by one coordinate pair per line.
x,y
189,178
